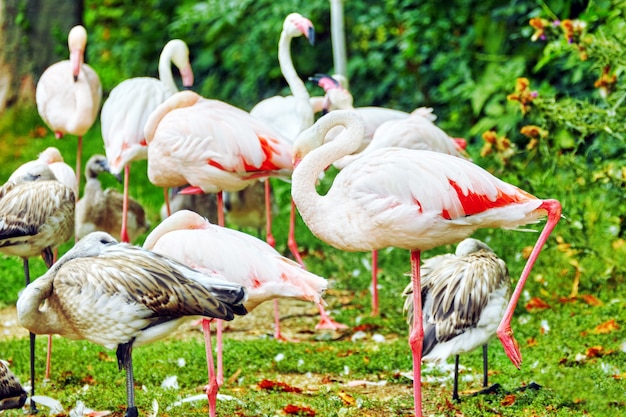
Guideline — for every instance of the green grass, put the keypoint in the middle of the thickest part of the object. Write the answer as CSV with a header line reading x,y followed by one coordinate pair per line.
x,y
579,362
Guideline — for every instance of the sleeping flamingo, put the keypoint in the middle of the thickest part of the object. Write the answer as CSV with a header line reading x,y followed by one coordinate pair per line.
x,y
12,395
36,216
243,259
68,94
125,112
411,199
464,296
121,296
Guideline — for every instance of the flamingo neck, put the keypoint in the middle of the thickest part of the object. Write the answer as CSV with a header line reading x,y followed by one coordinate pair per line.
x,y
313,207
296,85
84,104
165,71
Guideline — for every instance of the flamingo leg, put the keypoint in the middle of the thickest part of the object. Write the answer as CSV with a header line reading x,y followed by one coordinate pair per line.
x,y
269,237
375,283
213,386
416,337
455,386
485,366
220,209
326,322
166,198
48,358
505,334
33,405
79,156
124,231
124,355
291,240
220,360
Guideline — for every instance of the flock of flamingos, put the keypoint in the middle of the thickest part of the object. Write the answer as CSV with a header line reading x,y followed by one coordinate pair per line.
x,y
402,183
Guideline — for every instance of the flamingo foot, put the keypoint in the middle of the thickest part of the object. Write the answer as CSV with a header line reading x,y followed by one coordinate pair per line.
x,y
279,336
327,323
211,392
511,347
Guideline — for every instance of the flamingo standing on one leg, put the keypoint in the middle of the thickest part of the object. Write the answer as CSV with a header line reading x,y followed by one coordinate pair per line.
x,y
464,297
412,199
36,215
120,296
125,112
417,131
290,115
243,259
68,94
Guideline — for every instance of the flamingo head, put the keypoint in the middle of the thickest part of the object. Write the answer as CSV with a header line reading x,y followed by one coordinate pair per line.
x,y
297,25
76,41
180,58
337,96
50,155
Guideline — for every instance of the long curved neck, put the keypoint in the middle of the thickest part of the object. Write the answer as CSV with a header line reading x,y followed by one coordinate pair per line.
x,y
165,71
84,109
298,89
310,203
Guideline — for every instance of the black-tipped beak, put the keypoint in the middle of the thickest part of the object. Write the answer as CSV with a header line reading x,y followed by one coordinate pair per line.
x,y
311,36
75,78
187,87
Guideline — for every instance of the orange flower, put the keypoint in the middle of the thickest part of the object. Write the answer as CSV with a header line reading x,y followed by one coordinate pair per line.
x,y
606,82
522,94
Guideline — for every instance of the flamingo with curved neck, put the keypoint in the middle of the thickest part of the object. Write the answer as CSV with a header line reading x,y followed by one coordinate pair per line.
x,y
411,199
126,111
68,94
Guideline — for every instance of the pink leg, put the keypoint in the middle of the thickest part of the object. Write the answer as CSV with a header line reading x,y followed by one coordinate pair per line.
x,y
166,198
277,334
220,362
291,241
79,156
124,231
416,338
374,283
212,387
220,209
326,322
269,237
505,333
48,358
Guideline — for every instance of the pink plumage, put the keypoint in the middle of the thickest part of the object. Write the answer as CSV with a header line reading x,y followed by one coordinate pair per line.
x,y
411,199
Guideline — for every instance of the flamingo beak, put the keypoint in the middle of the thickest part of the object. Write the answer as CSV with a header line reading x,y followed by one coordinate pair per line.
x,y
187,75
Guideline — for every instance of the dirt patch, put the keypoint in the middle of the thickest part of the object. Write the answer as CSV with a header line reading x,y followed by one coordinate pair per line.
x,y
298,320
9,326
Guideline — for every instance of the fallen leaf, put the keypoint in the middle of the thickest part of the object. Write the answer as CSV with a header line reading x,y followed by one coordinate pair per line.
x,y
299,411
591,300
594,352
508,400
104,357
531,342
346,398
606,327
536,303
278,386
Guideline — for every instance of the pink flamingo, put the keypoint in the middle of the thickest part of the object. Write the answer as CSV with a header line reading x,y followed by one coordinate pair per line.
x,y
68,94
245,260
292,114
412,199
216,147
125,112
